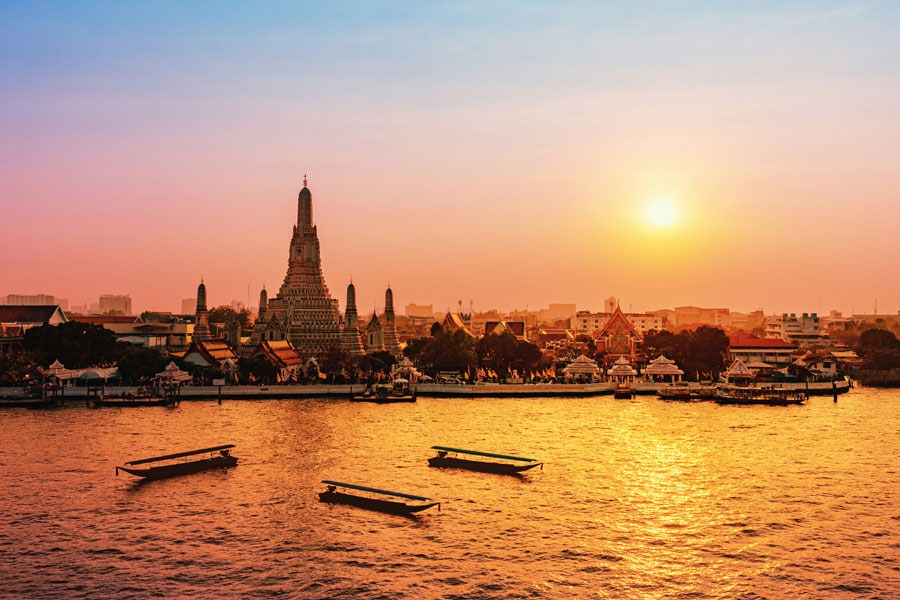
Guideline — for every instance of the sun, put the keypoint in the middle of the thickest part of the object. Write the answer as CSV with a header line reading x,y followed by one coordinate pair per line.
x,y
661,212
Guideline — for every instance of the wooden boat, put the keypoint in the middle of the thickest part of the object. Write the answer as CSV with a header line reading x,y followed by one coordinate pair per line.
x,y
130,400
219,457
686,391
758,394
623,392
444,459
26,403
383,393
333,496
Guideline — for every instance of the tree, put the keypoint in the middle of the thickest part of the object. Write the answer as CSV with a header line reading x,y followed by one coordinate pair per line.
x,y
335,364
707,352
879,349
664,343
76,345
497,352
436,329
449,351
528,358
259,368
140,364
414,348
227,315
17,367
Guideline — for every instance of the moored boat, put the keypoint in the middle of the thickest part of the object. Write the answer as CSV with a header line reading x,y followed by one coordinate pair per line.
x,y
384,393
130,400
217,457
759,394
448,458
686,391
372,501
623,392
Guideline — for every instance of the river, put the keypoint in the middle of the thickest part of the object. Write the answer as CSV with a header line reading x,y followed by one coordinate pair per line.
x,y
637,499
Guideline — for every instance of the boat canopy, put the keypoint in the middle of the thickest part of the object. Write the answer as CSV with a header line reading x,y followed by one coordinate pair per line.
x,y
179,454
488,454
373,490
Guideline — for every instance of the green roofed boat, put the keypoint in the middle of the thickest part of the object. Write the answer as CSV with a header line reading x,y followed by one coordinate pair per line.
x,y
217,457
448,458
333,496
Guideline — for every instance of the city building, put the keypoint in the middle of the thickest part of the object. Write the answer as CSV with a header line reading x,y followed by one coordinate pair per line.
x,y
752,349
588,323
686,316
188,306
115,303
804,331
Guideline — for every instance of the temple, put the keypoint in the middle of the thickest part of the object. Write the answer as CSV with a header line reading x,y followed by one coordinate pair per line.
x,y
303,312
201,317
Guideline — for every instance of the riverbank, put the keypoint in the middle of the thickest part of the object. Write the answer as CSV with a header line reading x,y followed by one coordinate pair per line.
x,y
71,395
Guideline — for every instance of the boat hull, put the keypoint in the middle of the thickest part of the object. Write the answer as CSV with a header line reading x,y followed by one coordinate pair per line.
x,y
452,462
759,396
376,504
751,401
129,402
382,400
183,468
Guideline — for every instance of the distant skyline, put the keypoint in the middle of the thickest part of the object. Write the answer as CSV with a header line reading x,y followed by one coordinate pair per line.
x,y
515,155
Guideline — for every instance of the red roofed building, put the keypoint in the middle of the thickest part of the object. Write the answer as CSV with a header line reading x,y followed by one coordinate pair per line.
x,y
15,320
454,321
750,348
213,354
283,354
517,328
618,338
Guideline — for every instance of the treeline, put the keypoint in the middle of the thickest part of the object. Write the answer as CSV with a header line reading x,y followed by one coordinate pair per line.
x,y
702,354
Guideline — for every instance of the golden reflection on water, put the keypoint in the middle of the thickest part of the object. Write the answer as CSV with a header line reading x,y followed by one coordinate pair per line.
x,y
636,499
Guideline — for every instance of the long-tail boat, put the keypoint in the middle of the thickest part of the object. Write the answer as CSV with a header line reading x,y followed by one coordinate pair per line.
x,y
332,495
444,459
217,457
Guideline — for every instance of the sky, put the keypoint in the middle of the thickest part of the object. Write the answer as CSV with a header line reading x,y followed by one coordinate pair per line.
x,y
499,154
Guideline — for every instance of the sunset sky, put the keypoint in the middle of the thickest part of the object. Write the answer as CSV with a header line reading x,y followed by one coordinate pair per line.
x,y
506,153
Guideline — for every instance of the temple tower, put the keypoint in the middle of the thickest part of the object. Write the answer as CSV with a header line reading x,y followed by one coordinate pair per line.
x,y
351,341
303,311
374,335
391,342
263,304
201,316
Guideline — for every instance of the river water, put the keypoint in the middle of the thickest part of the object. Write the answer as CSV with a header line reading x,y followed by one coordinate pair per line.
x,y
637,499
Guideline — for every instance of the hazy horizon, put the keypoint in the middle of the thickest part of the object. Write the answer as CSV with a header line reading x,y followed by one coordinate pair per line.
x,y
514,155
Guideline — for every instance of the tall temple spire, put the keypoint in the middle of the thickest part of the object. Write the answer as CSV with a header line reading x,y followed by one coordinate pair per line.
x,y
263,303
303,312
350,337
201,316
391,341
304,207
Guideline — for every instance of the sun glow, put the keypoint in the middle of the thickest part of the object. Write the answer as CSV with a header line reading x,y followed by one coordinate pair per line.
x,y
661,212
